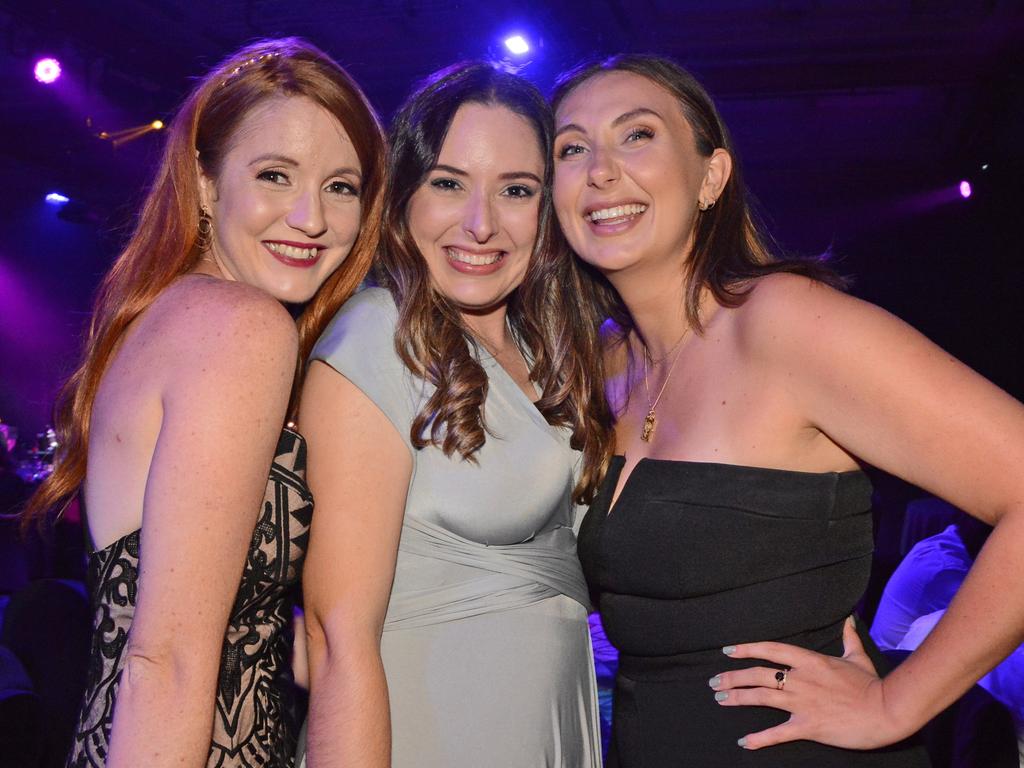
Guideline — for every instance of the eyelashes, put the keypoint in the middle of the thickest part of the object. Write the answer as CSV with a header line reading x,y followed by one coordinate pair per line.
x,y
336,187
445,184
569,149
514,191
640,133
274,177
521,191
343,188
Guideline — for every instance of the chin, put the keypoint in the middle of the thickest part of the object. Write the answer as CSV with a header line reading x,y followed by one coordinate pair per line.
x,y
291,294
476,304
608,260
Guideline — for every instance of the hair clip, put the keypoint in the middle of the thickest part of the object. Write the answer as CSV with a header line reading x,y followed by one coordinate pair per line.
x,y
249,63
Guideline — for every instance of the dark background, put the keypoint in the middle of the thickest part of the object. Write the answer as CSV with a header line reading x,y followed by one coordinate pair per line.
x,y
855,122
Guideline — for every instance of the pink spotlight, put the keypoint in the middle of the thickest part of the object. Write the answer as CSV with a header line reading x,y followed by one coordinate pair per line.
x,y
965,189
47,70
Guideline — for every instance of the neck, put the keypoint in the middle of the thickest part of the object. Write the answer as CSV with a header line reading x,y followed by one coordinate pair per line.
x,y
655,295
490,328
208,265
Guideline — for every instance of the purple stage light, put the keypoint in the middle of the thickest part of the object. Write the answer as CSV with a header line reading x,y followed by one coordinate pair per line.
x,y
517,44
965,189
56,198
47,70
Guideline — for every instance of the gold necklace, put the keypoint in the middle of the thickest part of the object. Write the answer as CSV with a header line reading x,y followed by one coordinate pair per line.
x,y
651,420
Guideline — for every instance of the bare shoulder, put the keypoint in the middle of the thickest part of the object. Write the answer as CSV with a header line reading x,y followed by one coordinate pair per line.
x,y
785,297
209,317
786,312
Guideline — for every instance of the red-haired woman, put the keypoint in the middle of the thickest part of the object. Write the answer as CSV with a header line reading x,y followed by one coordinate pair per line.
x,y
268,193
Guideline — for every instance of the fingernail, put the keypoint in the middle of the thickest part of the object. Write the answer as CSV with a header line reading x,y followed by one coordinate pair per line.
x,y
721,696
742,741
729,650
715,681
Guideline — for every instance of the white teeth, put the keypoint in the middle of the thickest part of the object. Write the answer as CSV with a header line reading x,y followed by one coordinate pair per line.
x,y
618,212
475,259
291,252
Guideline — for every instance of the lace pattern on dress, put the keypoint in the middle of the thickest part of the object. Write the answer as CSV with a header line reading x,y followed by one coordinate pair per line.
x,y
255,723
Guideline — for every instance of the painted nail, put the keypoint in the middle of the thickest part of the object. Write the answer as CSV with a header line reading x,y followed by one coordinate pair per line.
x,y
715,681
742,741
729,650
721,696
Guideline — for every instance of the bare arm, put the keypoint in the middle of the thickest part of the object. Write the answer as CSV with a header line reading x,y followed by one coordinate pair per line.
x,y
887,395
229,358
359,472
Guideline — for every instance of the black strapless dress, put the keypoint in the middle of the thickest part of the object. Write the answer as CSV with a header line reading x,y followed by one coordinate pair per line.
x,y
697,556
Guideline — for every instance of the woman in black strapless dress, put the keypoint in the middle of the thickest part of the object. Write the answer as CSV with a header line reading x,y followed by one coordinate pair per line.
x,y
748,392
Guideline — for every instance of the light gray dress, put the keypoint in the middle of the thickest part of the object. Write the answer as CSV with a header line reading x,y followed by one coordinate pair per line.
x,y
485,645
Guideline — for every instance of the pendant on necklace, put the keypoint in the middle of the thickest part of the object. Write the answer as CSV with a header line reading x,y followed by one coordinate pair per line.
x,y
650,421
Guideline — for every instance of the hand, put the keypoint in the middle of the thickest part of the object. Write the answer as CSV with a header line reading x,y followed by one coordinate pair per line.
x,y
836,701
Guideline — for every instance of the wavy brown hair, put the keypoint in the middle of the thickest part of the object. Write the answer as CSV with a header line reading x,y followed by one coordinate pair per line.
x,y
544,313
730,247
165,243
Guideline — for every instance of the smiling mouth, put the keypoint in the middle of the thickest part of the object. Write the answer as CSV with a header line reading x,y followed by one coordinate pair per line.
x,y
474,259
616,214
293,252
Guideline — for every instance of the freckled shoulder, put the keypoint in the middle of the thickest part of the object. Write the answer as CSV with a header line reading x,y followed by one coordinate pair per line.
x,y
201,318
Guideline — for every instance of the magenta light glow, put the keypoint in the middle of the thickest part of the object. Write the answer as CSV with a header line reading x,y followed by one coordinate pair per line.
x,y
47,70
965,189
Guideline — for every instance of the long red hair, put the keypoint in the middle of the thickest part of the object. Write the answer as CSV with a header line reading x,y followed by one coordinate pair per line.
x,y
166,242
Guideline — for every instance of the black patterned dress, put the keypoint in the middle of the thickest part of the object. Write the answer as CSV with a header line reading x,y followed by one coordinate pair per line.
x,y
254,722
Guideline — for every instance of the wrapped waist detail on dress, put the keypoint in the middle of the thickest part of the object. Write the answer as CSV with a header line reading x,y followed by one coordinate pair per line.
x,y
503,577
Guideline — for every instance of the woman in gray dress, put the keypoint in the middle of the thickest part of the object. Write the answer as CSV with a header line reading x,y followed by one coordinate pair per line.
x,y
447,415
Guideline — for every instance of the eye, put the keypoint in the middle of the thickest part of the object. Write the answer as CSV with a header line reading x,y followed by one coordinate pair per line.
x,y
570,149
445,183
521,191
638,134
343,188
274,177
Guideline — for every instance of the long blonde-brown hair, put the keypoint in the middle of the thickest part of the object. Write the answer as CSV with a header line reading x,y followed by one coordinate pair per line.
x,y
166,244
544,312
730,249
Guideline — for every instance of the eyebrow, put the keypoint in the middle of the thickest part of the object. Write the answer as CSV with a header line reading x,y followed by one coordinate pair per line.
x,y
504,176
633,113
284,159
625,117
275,157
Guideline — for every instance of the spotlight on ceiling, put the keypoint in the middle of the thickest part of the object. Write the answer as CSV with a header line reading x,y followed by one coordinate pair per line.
x,y
156,125
56,198
517,45
965,189
47,70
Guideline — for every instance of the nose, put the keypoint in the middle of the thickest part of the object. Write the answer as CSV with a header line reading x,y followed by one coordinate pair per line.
x,y
479,218
307,213
602,169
